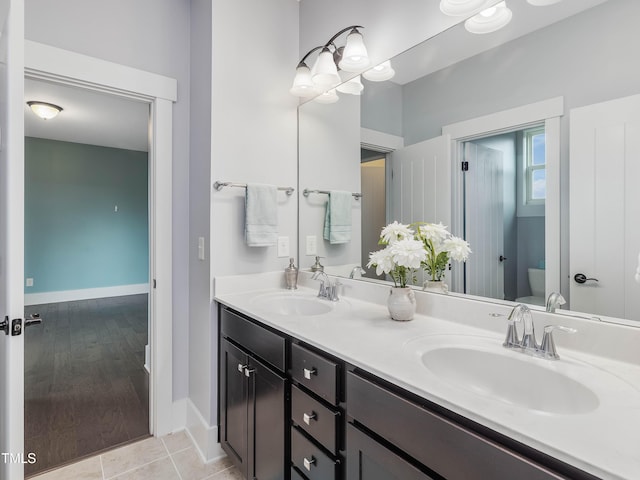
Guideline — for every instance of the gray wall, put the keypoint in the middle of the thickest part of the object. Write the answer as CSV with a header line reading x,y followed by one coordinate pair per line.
x,y
151,35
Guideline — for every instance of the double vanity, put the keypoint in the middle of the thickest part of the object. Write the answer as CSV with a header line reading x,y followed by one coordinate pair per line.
x,y
320,390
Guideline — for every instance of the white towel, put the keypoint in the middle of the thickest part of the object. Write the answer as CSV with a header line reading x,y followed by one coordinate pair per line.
x,y
337,219
261,215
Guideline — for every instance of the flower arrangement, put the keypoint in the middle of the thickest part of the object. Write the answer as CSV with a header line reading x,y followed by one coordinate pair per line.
x,y
402,255
440,246
418,245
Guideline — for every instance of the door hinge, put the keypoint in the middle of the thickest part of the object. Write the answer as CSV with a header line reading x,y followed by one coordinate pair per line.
x,y
465,166
154,283
16,326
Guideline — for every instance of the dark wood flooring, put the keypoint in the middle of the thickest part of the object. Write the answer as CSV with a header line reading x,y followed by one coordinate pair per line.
x,y
86,388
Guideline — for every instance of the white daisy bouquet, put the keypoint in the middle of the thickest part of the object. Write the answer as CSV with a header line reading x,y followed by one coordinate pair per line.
x,y
440,246
402,255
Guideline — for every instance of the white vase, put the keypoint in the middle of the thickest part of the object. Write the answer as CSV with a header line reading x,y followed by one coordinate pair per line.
x,y
436,286
401,303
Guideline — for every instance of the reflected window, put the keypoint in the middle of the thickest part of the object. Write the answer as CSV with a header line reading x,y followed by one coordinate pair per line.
x,y
535,165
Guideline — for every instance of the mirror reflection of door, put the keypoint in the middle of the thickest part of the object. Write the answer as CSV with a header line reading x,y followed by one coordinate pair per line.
x,y
504,192
372,177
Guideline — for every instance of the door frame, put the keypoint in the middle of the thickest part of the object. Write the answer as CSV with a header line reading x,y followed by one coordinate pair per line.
x,y
547,112
44,62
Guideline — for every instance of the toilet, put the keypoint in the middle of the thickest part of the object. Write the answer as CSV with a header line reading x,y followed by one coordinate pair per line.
x,y
537,285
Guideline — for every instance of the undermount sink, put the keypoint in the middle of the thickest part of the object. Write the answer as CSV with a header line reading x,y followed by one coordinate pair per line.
x,y
292,304
510,377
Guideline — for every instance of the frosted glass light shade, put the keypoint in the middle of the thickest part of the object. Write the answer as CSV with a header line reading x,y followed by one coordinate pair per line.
x,y
325,72
542,3
462,8
352,87
44,110
380,72
303,85
489,20
354,55
330,96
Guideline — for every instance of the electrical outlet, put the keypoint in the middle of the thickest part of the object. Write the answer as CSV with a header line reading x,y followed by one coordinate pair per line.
x,y
283,247
312,245
29,282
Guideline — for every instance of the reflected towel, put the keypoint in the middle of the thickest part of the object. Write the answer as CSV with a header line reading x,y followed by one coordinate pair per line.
x,y
337,218
261,215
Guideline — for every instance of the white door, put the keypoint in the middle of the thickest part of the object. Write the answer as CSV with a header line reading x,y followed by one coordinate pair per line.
x,y
419,184
11,238
484,220
605,207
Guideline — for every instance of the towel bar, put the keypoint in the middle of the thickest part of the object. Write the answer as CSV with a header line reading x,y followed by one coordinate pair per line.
x,y
220,185
307,191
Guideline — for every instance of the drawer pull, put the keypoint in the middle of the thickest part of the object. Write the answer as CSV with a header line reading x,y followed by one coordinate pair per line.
x,y
248,371
241,367
309,372
308,462
307,417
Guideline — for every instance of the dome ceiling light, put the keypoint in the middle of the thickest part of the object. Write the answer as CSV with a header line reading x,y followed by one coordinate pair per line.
x,y
44,110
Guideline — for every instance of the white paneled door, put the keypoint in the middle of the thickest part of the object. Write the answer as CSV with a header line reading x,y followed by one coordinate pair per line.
x,y
605,208
11,239
484,220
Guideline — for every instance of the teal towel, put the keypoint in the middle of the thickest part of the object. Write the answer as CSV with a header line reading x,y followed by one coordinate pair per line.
x,y
337,218
261,215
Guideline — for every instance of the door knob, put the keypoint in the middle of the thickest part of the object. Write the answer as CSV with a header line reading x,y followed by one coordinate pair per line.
x,y
582,278
33,319
502,258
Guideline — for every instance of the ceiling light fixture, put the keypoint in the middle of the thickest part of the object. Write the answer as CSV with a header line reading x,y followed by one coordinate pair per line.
x,y
44,110
489,20
323,76
463,8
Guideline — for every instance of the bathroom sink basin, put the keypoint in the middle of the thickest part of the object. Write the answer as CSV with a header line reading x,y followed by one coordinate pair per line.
x,y
511,377
292,304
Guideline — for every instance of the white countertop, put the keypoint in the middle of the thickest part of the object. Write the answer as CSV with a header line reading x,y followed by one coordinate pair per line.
x,y
604,442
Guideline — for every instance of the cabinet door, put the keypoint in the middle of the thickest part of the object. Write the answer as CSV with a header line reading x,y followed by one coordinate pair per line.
x,y
233,404
369,460
267,421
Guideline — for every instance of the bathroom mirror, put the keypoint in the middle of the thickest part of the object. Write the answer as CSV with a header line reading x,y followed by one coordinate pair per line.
x,y
520,84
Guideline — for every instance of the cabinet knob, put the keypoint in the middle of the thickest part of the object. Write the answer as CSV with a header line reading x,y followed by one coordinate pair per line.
x,y
241,367
307,417
308,462
248,371
308,372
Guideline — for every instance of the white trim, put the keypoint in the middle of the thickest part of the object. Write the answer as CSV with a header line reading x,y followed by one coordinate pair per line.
x,y
69,68
204,436
380,141
506,119
45,61
84,294
547,111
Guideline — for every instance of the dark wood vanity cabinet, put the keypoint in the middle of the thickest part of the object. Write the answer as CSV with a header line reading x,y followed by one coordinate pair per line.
x,y
253,398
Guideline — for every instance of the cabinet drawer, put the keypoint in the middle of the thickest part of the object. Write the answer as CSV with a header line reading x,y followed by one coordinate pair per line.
x,y
317,373
309,459
314,418
449,449
264,343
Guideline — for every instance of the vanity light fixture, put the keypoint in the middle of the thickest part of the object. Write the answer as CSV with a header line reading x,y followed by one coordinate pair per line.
x,y
44,110
463,8
490,19
380,73
323,76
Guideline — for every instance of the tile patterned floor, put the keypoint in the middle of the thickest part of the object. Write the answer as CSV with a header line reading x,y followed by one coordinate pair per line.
x,y
173,457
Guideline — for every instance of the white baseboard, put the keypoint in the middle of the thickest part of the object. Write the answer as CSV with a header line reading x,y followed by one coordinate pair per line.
x,y
84,294
204,436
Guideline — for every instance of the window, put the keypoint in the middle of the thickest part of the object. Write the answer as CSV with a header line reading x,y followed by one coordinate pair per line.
x,y
535,174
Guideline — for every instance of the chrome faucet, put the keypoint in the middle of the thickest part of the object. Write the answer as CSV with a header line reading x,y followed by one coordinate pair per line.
x,y
327,290
357,269
528,343
554,301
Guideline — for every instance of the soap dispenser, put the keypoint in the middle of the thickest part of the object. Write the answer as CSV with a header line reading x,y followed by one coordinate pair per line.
x,y
291,275
317,267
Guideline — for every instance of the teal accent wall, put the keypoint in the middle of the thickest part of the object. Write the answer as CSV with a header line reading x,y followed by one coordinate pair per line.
x,y
74,238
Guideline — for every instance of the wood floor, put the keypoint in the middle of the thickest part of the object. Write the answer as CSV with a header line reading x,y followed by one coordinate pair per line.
x,y
86,388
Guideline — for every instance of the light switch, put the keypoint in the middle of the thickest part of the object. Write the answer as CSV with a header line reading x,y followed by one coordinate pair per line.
x,y
283,247
312,245
29,282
